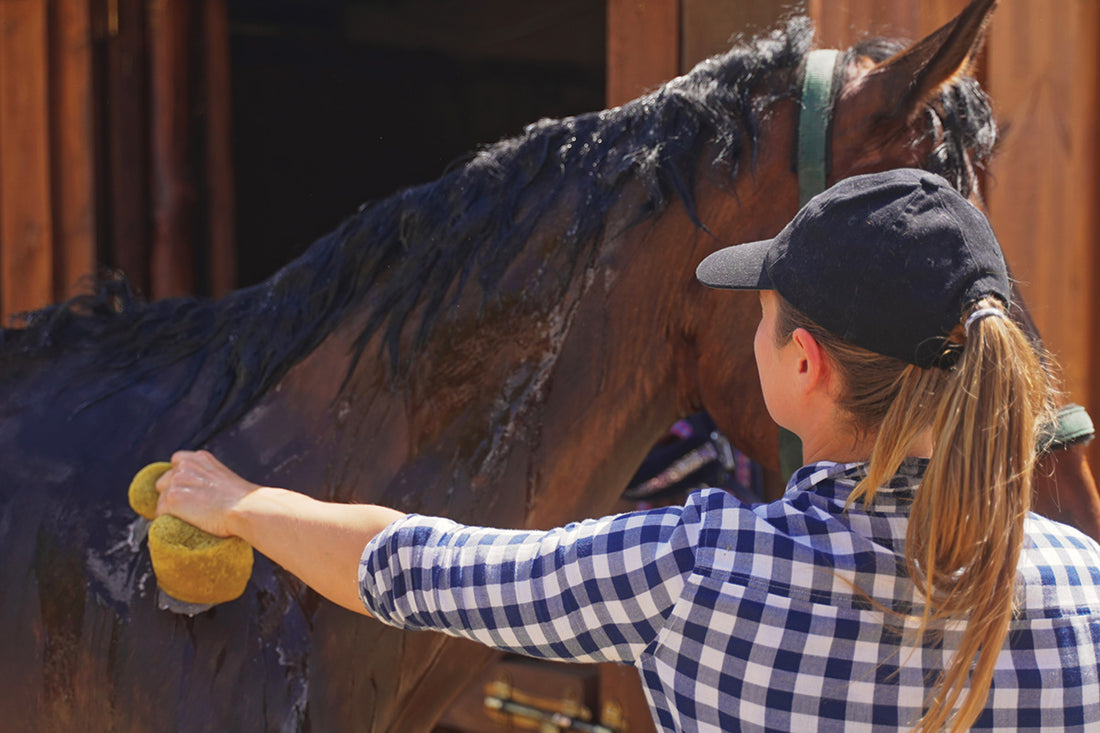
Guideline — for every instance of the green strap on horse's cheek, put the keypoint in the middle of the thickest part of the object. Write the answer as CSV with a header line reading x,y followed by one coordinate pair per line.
x,y
813,123
813,138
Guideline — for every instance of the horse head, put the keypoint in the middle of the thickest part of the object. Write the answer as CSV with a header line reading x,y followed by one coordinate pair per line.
x,y
890,106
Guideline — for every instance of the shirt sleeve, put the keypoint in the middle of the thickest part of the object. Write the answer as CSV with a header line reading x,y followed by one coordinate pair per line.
x,y
592,591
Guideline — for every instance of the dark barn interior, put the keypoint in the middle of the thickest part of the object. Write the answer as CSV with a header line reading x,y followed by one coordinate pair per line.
x,y
336,102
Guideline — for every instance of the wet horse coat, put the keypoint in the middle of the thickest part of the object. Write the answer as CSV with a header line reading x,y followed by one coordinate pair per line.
x,y
501,345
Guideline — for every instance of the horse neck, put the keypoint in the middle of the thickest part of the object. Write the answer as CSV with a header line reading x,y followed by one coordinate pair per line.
x,y
649,344
535,375
565,375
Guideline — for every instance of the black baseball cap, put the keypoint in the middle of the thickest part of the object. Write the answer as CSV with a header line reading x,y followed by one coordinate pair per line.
x,y
886,261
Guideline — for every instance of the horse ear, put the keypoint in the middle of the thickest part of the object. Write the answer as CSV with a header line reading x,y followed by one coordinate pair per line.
x,y
904,82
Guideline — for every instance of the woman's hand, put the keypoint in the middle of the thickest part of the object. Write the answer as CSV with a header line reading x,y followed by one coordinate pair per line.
x,y
318,541
200,489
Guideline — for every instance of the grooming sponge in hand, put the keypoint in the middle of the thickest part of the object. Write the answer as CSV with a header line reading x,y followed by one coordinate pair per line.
x,y
143,489
191,565
196,567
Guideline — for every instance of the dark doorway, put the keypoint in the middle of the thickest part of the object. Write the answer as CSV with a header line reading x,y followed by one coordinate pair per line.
x,y
336,102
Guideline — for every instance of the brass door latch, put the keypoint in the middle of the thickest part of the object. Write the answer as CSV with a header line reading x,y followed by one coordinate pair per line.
x,y
510,706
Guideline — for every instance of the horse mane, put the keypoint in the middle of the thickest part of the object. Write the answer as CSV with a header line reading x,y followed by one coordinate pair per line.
x,y
422,246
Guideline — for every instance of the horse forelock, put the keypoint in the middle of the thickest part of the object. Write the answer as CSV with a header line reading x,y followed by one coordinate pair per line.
x,y
422,246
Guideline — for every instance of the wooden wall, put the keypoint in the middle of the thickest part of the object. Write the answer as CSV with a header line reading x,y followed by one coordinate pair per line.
x,y
1041,70
47,219
1043,73
102,106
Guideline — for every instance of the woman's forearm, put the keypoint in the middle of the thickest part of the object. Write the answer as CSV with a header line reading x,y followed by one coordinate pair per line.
x,y
319,542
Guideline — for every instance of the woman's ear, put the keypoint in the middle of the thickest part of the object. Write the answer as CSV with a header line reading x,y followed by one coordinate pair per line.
x,y
813,367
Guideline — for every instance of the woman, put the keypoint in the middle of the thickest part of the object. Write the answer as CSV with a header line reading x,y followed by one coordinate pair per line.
x,y
899,583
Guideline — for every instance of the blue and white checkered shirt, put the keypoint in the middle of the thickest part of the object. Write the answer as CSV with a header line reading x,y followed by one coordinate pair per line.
x,y
743,617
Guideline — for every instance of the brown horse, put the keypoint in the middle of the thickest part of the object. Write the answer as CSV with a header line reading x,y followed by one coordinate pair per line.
x,y
502,345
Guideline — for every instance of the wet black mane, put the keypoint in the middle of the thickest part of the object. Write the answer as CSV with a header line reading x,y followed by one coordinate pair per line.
x,y
422,245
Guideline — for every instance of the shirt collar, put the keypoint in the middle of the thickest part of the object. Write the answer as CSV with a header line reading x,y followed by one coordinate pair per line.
x,y
837,480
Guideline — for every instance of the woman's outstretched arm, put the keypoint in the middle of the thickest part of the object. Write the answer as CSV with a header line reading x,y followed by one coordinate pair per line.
x,y
319,542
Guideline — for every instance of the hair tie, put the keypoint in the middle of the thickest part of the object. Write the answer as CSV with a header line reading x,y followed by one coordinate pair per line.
x,y
980,314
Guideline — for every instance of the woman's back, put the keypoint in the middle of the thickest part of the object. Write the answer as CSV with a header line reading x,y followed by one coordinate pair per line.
x,y
800,615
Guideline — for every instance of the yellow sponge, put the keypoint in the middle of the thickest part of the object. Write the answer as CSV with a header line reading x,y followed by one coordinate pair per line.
x,y
143,490
196,567
191,565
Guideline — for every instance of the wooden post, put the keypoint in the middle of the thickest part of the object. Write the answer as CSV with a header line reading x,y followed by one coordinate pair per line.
x,y
643,52
710,25
1090,24
643,46
26,224
74,145
221,204
842,23
1042,193
127,142
172,271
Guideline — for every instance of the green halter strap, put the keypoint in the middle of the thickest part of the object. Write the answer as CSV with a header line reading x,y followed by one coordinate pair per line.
x,y
813,140
813,123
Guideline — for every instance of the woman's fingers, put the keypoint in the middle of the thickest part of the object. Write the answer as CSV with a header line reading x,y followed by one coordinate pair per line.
x,y
201,490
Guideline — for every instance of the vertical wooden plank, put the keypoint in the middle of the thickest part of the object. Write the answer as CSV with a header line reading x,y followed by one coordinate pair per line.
x,y
934,13
219,154
643,46
74,145
841,23
710,25
26,230
643,51
1042,192
1089,328
172,271
127,143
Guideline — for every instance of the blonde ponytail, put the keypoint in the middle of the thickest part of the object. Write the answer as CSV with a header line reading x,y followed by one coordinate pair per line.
x,y
966,524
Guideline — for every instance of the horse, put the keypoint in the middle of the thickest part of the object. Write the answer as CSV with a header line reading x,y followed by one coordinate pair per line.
x,y
501,345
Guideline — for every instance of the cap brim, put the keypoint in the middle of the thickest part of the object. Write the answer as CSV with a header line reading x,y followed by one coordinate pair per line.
x,y
740,267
